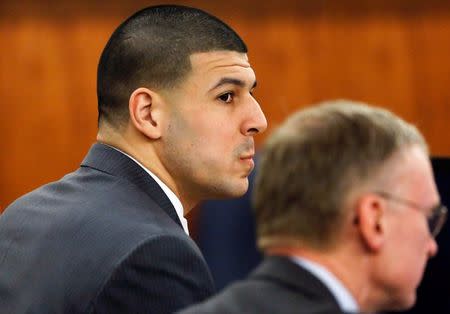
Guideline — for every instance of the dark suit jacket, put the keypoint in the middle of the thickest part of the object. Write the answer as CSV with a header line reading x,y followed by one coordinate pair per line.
x,y
103,239
276,286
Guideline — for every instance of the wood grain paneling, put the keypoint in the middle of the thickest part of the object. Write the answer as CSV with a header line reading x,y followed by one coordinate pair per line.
x,y
391,53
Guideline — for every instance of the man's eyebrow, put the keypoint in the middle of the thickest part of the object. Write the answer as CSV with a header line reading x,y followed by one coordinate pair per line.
x,y
233,81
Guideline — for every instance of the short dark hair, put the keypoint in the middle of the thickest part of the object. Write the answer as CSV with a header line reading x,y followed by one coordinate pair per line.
x,y
152,49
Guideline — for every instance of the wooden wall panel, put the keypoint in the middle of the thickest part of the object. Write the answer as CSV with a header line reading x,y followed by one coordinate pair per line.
x,y
48,100
391,53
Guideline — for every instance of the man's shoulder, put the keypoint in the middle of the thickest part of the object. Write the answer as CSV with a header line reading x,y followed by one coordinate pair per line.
x,y
83,229
263,297
249,296
269,290
88,192
106,210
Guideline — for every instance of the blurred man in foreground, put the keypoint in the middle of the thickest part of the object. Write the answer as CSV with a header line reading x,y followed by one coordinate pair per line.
x,y
346,211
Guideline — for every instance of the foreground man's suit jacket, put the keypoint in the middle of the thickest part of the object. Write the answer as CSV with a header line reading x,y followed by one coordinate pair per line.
x,y
103,239
276,286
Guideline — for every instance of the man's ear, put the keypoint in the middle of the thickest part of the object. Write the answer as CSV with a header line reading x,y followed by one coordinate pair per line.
x,y
370,221
145,107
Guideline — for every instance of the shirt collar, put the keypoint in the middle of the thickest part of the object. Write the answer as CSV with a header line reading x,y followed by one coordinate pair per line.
x,y
344,298
172,197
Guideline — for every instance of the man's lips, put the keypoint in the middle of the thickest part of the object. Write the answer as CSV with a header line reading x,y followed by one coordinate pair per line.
x,y
247,156
248,161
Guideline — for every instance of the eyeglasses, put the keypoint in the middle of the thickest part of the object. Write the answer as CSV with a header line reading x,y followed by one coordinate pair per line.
x,y
436,218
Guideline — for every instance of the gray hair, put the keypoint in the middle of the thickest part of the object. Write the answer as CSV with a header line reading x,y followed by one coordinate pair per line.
x,y
311,164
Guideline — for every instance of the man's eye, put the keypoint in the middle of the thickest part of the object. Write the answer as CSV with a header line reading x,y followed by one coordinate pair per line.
x,y
227,98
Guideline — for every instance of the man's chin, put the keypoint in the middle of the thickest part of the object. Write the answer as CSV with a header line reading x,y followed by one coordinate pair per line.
x,y
235,190
242,189
403,303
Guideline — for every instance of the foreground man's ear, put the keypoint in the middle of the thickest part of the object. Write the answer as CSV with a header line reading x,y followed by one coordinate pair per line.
x,y
369,211
146,108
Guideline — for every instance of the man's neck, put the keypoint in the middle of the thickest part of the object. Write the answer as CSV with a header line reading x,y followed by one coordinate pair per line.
x,y
350,270
147,157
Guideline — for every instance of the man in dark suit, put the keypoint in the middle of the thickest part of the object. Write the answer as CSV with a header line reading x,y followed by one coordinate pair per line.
x,y
346,213
176,125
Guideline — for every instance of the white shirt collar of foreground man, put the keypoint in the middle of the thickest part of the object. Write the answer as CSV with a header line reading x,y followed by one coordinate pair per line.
x,y
346,301
172,197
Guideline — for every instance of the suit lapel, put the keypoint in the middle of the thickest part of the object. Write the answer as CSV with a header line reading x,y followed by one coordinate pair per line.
x,y
109,160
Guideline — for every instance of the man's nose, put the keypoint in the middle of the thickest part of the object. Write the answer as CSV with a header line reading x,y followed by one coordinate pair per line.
x,y
256,122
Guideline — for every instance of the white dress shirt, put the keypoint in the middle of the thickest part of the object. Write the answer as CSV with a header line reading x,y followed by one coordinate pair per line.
x,y
344,298
172,197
